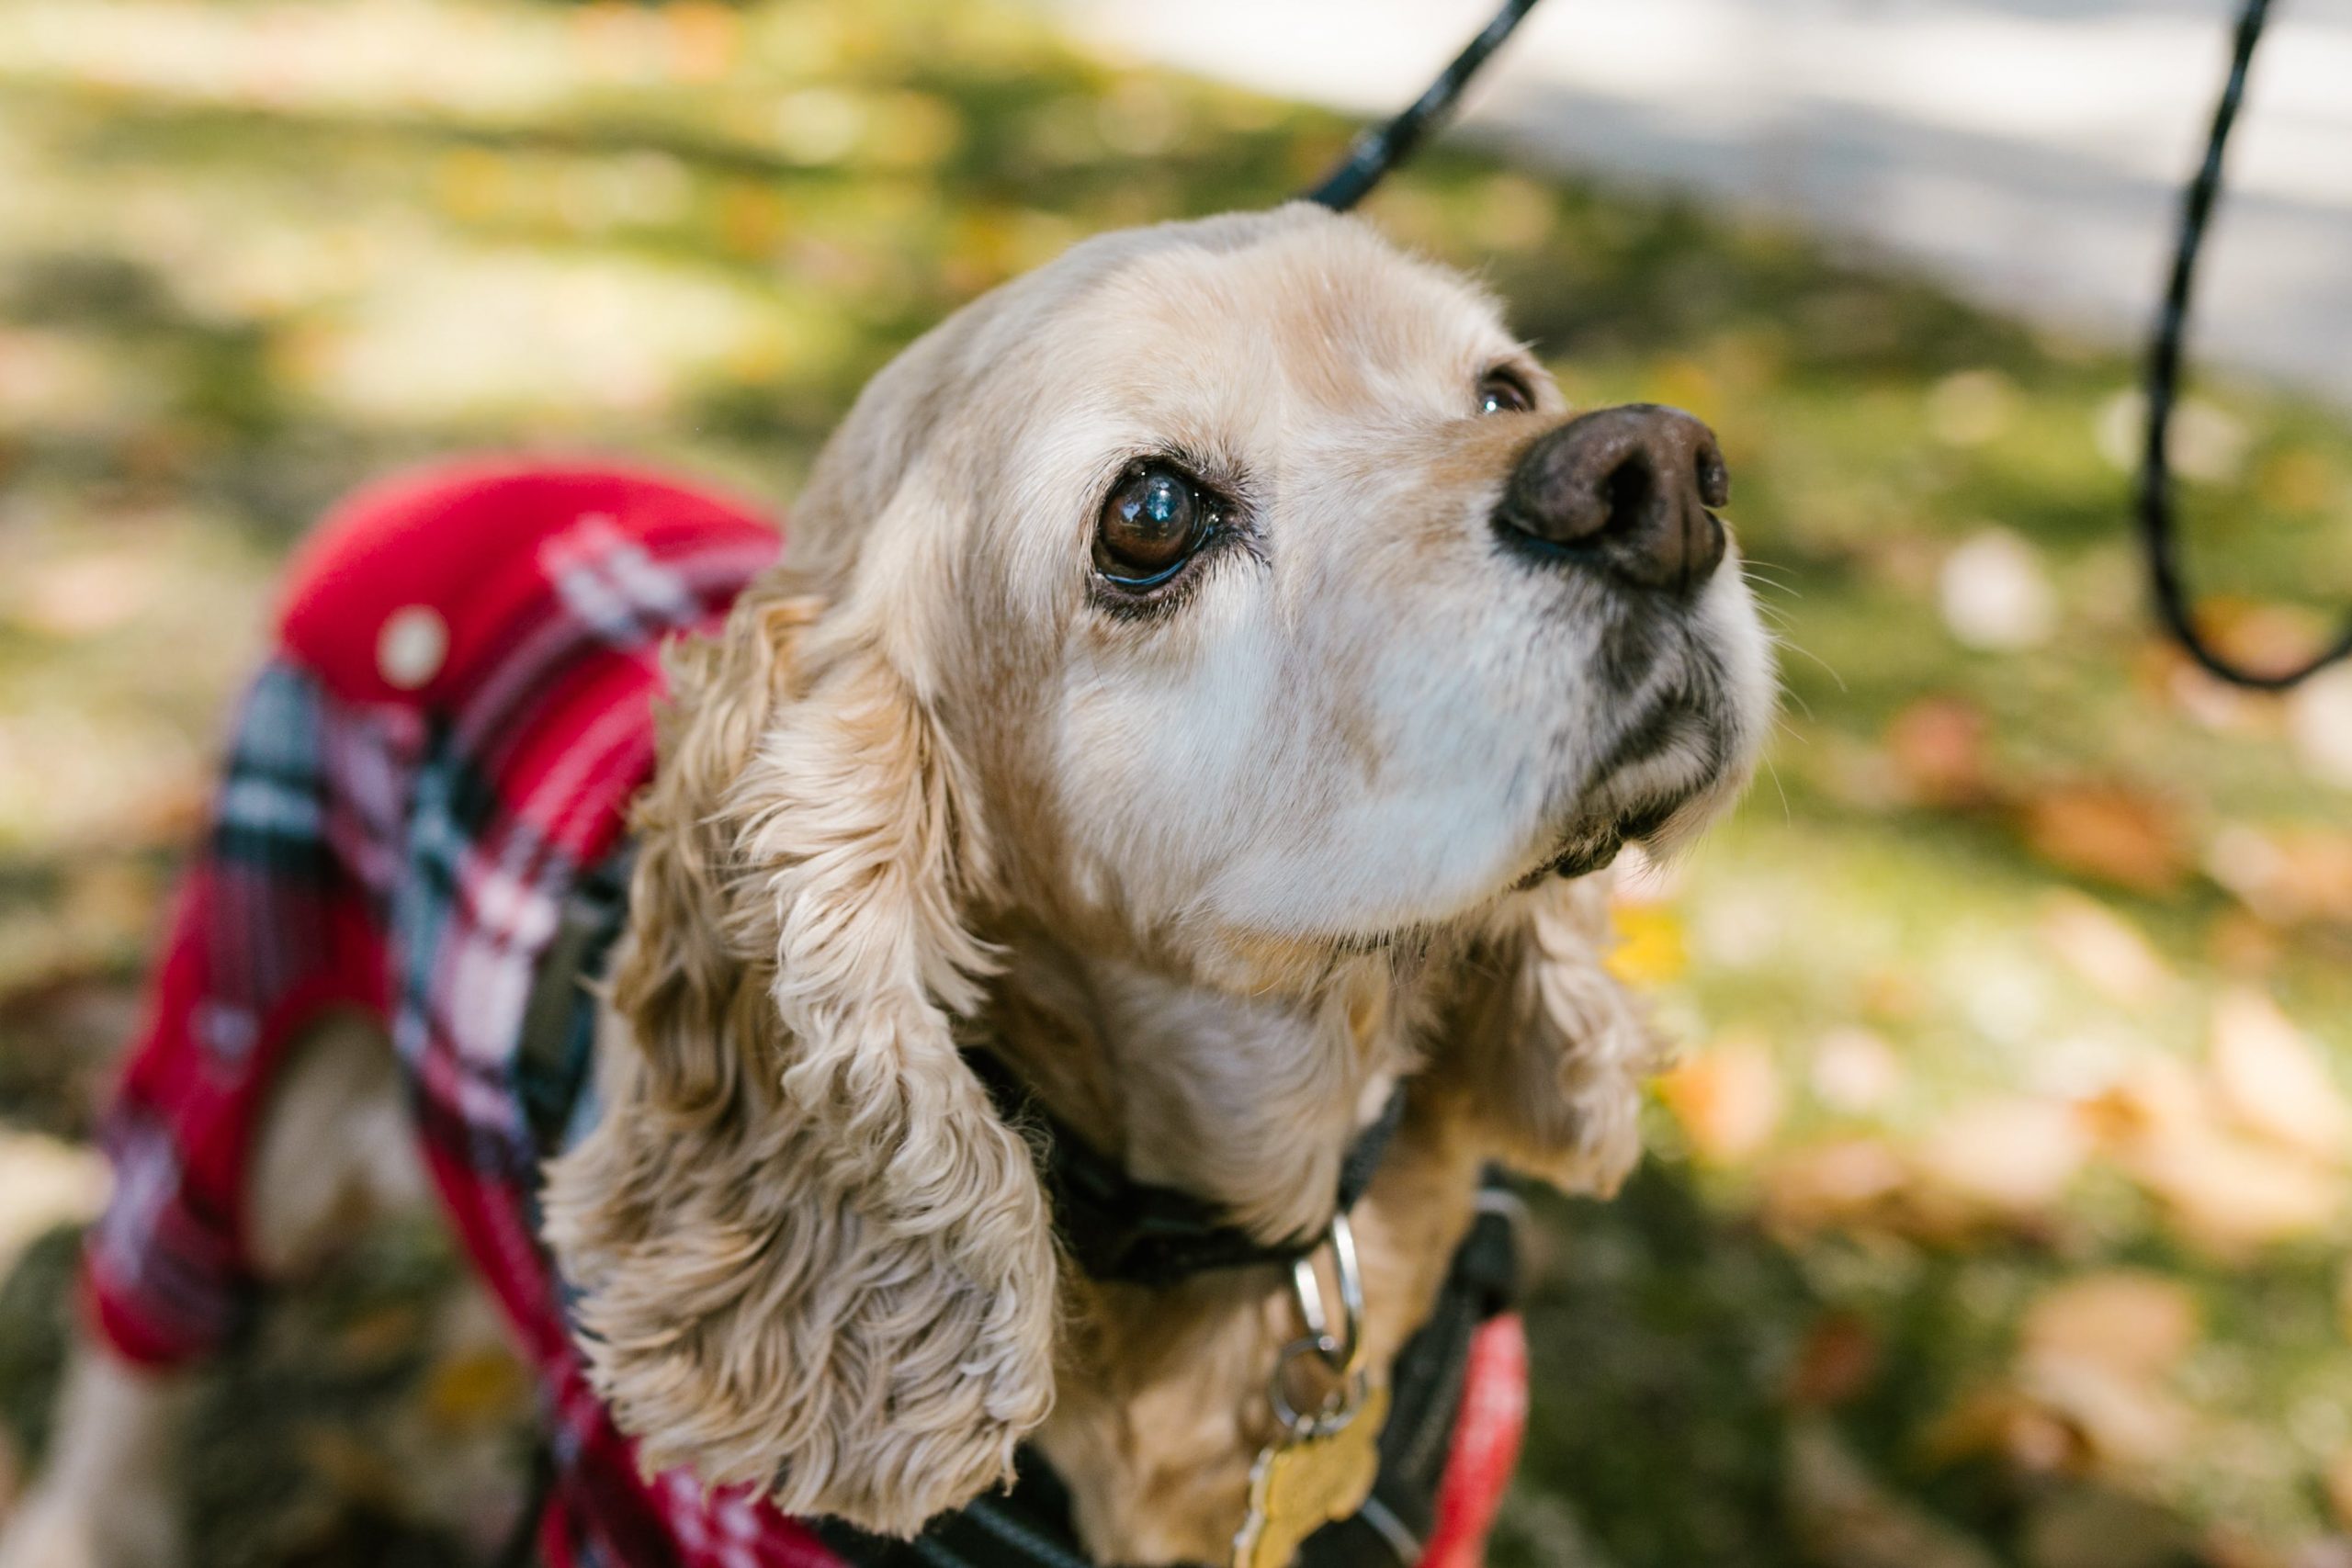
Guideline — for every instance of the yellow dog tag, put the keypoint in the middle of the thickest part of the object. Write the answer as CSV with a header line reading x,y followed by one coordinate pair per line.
x,y
1302,1481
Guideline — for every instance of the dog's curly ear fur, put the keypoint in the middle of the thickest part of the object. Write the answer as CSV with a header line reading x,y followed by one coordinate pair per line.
x,y
810,1254
1547,1045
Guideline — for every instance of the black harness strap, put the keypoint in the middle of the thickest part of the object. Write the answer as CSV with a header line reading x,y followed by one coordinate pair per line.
x,y
1028,1526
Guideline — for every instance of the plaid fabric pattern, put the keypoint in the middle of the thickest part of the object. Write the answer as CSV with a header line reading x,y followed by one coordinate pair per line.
x,y
400,834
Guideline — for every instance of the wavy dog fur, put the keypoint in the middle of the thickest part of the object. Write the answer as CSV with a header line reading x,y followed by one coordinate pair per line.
x,y
1214,879
812,1255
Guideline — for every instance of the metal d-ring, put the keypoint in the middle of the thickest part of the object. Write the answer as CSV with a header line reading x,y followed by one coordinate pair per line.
x,y
1343,1350
1339,1346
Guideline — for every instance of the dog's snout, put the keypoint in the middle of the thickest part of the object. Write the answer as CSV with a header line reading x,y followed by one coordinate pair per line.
x,y
1628,490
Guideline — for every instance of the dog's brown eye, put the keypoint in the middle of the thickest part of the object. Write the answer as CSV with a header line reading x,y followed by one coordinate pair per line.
x,y
1155,518
1502,392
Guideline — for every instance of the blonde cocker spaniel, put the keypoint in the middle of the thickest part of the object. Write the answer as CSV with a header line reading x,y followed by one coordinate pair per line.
x,y
1210,674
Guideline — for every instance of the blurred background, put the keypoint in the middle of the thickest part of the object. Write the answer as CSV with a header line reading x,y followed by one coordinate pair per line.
x,y
1998,1212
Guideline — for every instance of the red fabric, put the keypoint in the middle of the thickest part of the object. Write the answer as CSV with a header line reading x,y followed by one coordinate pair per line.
x,y
401,849
466,539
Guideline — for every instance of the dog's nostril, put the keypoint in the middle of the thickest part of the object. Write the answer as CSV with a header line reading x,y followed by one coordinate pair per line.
x,y
1714,480
1627,491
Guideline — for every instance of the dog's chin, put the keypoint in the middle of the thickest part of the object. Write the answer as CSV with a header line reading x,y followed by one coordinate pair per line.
x,y
1593,843
1592,839
1588,852
1675,773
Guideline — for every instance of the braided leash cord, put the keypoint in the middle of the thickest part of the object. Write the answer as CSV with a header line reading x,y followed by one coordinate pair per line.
x,y
1376,152
2158,529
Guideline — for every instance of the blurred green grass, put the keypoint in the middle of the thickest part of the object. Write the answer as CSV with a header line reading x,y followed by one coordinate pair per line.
x,y
1971,980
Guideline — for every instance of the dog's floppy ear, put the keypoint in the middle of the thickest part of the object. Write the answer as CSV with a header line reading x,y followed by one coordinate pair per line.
x,y
810,1254
1547,1045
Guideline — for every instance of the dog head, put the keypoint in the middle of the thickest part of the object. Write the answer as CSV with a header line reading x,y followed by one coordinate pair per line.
x,y
1238,593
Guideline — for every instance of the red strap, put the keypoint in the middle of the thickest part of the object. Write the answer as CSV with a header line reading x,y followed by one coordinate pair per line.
x,y
1486,1445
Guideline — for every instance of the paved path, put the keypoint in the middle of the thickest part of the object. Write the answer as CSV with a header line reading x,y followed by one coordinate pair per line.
x,y
2026,150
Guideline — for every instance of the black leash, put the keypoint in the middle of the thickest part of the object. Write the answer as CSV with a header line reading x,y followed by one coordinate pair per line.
x,y
1376,152
2158,531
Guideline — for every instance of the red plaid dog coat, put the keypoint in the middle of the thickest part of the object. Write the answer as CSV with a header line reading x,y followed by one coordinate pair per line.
x,y
435,760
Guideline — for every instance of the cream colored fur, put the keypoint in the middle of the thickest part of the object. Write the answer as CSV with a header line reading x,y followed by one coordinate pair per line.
x,y
1214,880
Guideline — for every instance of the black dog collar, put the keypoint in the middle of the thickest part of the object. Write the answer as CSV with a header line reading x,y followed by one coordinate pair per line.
x,y
1119,1229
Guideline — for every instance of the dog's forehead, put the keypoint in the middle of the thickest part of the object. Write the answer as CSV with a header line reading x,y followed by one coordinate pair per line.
x,y
1314,307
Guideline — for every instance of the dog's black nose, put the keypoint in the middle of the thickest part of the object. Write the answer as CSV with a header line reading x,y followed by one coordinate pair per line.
x,y
1625,490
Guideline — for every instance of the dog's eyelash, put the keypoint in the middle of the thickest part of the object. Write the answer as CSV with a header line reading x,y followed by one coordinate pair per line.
x,y
1171,594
